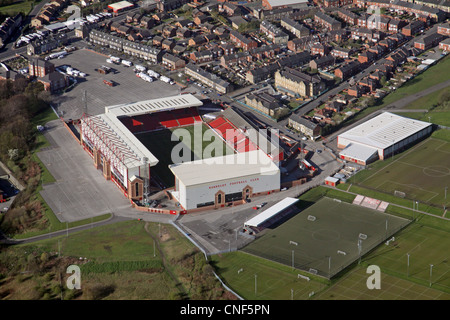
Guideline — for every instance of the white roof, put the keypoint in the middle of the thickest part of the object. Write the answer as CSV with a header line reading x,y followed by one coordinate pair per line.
x,y
120,5
384,130
127,149
154,105
276,3
332,179
358,152
228,167
270,212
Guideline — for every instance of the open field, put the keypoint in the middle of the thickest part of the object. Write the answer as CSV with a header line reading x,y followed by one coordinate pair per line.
x,y
426,246
141,261
161,145
421,172
253,278
328,244
353,287
425,239
18,7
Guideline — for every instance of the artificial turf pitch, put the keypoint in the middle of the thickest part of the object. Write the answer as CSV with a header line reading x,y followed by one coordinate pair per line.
x,y
339,235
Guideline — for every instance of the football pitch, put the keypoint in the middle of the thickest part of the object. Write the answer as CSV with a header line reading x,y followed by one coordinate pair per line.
x,y
421,173
179,143
326,237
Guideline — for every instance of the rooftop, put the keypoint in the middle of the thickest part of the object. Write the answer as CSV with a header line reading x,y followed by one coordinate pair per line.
x,y
228,167
154,105
384,130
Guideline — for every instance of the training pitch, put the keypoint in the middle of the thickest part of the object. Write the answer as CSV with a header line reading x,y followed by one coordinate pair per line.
x,y
326,237
421,173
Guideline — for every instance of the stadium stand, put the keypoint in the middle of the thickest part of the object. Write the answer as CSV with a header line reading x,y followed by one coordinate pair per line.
x,y
166,119
234,137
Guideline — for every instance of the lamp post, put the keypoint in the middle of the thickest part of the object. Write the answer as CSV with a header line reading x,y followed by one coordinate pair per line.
x,y
407,270
431,272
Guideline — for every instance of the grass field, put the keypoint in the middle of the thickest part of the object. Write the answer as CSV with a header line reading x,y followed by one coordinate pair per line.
x,y
436,113
353,287
426,246
161,145
426,240
254,278
422,172
330,243
141,261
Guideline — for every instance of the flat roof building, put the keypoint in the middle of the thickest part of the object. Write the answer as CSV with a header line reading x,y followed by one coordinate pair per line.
x,y
381,137
224,179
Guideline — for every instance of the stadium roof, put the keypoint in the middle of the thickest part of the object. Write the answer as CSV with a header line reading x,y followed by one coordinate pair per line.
x,y
228,167
113,139
384,130
154,105
270,212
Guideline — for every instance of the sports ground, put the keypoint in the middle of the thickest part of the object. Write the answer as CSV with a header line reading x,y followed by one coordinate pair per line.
x,y
326,237
421,173
161,144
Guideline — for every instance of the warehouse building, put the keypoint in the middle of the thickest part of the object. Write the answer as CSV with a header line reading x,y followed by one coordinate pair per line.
x,y
381,137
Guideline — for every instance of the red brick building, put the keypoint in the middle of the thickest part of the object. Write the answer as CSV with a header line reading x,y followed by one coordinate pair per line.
x,y
242,41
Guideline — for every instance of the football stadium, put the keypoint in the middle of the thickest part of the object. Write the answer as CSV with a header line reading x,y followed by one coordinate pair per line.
x,y
135,146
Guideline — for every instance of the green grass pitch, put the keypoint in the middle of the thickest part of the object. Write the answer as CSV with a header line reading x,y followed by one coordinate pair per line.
x,y
422,173
330,243
162,142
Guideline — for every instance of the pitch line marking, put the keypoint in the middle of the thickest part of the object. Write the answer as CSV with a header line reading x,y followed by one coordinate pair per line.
x,y
404,155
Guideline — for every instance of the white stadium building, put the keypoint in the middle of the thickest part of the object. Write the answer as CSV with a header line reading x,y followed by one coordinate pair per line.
x,y
222,180
380,137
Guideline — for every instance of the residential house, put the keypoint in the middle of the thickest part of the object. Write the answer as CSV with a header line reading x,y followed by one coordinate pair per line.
x,y
413,28
172,62
304,126
320,49
347,70
428,41
327,21
207,78
242,41
322,62
294,27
